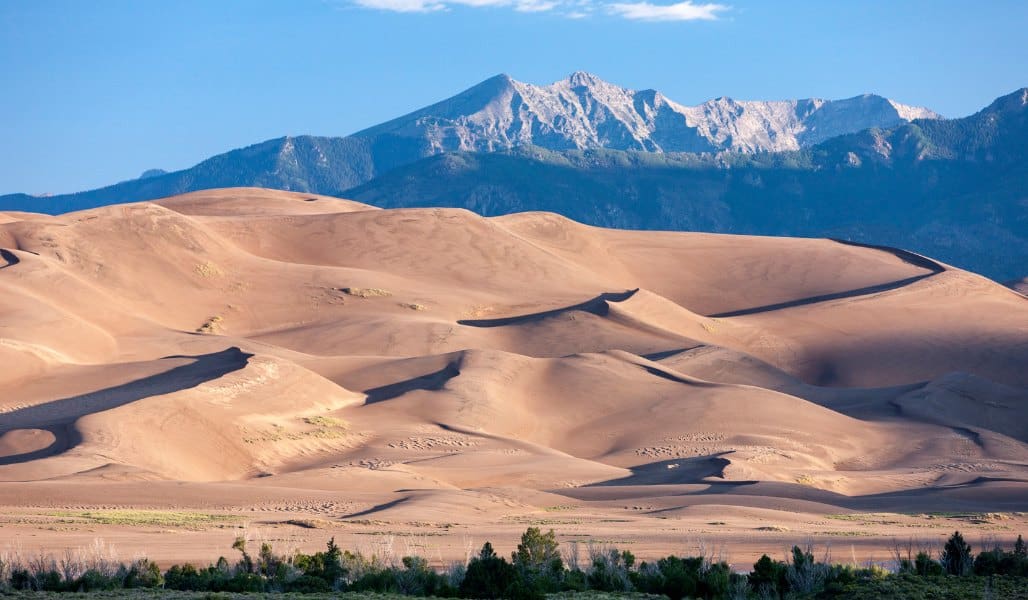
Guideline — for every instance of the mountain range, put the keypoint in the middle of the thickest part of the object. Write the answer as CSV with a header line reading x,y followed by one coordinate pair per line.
x,y
585,112
866,169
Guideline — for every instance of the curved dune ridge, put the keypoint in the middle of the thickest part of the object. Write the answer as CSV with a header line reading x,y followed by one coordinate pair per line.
x,y
421,359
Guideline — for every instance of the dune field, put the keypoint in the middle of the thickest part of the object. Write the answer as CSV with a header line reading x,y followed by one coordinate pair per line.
x,y
296,367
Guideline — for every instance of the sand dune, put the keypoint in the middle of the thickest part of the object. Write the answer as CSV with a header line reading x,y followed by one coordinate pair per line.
x,y
301,355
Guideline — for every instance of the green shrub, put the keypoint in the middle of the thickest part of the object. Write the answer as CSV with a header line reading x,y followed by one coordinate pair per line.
x,y
184,577
21,579
51,581
648,578
574,581
768,576
610,571
538,552
805,575
715,580
538,565
307,584
926,566
524,588
988,562
488,575
382,582
999,562
326,566
417,579
92,581
215,578
143,574
246,583
246,561
946,587
683,577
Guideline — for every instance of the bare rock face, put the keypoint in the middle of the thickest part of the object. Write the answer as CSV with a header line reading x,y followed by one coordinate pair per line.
x,y
583,111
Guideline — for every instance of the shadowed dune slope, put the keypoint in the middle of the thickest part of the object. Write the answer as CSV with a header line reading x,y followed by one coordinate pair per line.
x,y
426,358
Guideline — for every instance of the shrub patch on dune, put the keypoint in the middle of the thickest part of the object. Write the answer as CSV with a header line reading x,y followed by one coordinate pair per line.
x,y
325,428
366,292
154,518
207,270
212,325
326,422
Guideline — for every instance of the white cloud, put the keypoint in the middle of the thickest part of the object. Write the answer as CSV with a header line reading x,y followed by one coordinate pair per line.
x,y
414,6
681,11
404,6
536,5
571,9
480,3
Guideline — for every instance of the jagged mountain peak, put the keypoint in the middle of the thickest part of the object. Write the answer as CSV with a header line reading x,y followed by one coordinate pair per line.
x,y
905,112
583,79
496,82
584,111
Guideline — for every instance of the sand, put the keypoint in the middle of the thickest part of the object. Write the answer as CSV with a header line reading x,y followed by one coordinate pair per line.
x,y
422,380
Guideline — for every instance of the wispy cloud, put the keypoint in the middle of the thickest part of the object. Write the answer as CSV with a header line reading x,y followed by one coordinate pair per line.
x,y
686,10
480,3
681,11
536,5
415,6
403,6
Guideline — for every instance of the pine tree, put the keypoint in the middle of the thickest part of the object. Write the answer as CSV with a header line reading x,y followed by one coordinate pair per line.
x,y
956,555
333,567
488,575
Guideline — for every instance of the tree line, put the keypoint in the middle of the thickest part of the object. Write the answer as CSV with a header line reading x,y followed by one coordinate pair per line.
x,y
537,568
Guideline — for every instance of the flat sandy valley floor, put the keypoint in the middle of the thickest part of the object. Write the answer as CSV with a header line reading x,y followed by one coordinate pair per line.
x,y
293,367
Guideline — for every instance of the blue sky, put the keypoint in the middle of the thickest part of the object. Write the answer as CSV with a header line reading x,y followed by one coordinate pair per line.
x,y
97,92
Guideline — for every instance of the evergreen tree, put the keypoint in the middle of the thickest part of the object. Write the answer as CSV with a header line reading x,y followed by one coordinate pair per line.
x,y
488,575
956,555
